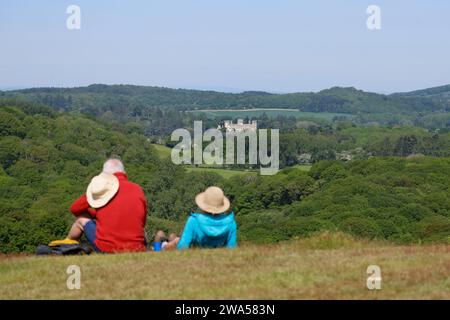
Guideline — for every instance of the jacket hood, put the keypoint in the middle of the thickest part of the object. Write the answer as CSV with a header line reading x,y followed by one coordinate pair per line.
x,y
214,225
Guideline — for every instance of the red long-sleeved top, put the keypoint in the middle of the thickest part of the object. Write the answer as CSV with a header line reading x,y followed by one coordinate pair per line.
x,y
121,222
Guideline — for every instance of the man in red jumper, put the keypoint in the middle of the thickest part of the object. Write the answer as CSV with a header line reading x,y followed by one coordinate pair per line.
x,y
112,212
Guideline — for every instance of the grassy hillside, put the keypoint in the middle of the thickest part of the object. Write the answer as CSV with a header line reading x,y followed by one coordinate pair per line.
x,y
226,173
328,266
162,151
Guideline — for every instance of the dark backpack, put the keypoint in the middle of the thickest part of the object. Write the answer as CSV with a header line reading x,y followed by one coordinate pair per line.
x,y
64,249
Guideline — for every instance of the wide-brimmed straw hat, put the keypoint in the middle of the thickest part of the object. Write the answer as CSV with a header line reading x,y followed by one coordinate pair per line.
x,y
213,200
102,189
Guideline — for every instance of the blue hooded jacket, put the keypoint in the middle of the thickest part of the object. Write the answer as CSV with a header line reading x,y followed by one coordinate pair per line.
x,y
210,231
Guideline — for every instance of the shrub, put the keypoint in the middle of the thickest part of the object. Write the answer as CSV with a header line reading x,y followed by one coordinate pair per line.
x,y
366,228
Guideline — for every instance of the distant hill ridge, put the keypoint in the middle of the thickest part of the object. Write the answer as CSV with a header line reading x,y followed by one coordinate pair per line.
x,y
427,92
336,99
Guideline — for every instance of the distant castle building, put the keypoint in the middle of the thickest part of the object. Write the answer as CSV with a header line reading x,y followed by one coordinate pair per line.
x,y
239,127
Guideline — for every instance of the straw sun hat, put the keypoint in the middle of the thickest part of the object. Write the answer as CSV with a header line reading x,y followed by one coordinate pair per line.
x,y
102,189
212,200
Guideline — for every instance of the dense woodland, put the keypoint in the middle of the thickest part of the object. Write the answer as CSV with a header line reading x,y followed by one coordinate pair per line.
x,y
347,141
396,187
155,110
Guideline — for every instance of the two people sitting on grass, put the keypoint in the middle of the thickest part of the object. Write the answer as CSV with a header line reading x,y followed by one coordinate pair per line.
x,y
112,215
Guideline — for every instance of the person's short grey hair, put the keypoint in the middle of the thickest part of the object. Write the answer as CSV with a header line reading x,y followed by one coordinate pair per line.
x,y
112,166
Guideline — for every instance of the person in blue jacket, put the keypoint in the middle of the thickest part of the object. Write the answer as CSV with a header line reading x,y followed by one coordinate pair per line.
x,y
211,226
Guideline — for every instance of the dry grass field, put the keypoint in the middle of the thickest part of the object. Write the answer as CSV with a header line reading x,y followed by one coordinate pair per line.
x,y
327,266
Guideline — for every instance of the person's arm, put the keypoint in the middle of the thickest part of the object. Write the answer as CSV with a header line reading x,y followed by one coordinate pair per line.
x,y
144,216
232,237
144,207
81,206
188,234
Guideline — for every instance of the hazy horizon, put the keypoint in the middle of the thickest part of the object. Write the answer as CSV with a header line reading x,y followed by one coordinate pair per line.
x,y
221,90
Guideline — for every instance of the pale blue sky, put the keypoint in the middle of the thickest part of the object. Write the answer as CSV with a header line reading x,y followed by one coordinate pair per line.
x,y
278,46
